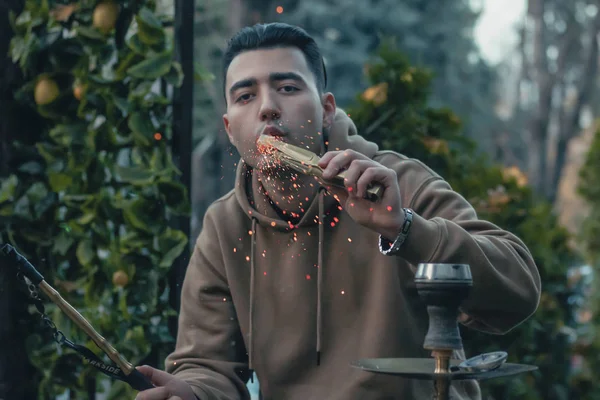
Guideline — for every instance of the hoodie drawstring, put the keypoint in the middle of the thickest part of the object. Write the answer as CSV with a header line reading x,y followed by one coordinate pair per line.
x,y
319,283
251,312
320,272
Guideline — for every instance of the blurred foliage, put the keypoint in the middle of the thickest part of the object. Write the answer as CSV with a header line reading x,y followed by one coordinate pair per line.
x,y
349,31
589,190
394,113
91,202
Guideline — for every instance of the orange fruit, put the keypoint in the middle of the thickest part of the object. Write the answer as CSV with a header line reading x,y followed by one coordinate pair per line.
x,y
46,91
120,279
105,16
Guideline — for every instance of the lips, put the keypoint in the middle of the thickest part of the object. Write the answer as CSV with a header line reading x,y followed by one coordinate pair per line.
x,y
272,130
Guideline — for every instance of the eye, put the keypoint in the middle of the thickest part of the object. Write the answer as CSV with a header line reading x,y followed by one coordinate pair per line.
x,y
289,89
244,98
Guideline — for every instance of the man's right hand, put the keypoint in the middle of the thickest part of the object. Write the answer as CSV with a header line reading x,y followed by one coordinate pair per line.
x,y
168,387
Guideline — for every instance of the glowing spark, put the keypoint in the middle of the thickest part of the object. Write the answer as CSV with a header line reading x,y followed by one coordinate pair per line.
x,y
273,223
389,208
247,258
250,233
308,233
157,136
371,209
333,224
350,189
350,240
224,299
265,273
307,277
336,219
234,250
279,10
343,292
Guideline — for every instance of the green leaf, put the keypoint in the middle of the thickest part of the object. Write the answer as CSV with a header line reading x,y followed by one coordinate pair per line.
x,y
49,152
144,215
134,175
142,128
8,188
150,28
125,64
122,104
152,68
171,244
59,181
175,75
201,74
85,252
136,45
90,33
62,243
67,135
31,167
176,197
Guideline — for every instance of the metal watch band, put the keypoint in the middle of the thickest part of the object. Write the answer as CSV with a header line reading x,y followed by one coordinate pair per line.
x,y
388,248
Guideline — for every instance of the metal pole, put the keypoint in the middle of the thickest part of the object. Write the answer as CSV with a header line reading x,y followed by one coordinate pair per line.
x,y
183,102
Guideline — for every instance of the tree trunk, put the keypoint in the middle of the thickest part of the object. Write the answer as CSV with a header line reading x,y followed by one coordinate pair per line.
x,y
569,127
538,126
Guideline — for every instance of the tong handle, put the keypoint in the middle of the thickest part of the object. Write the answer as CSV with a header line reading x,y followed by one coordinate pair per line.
x,y
374,190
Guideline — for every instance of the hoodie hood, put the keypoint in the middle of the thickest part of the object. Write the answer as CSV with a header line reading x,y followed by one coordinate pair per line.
x,y
256,205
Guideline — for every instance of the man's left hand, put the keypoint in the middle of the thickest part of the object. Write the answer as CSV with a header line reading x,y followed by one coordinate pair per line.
x,y
384,216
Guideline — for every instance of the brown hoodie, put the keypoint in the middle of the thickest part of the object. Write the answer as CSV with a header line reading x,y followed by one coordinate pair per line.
x,y
264,295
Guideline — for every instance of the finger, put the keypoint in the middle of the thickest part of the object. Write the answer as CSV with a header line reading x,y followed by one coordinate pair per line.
x,y
160,393
327,157
354,171
382,175
158,377
337,163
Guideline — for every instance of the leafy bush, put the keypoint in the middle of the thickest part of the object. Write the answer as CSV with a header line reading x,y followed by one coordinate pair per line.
x,y
394,112
91,203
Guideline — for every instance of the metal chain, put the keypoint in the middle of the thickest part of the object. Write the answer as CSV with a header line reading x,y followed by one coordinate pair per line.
x,y
59,337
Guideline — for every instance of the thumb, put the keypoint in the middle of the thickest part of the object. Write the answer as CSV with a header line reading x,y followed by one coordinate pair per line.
x,y
158,377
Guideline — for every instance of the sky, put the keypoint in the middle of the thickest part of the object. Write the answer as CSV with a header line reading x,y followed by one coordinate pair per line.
x,y
495,32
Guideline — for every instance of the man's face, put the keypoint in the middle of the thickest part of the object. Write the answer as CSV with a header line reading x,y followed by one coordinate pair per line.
x,y
273,92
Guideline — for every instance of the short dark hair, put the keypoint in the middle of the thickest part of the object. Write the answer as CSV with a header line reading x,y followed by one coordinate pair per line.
x,y
274,35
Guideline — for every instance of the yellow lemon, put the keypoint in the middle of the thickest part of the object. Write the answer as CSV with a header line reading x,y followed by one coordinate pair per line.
x,y
46,91
105,16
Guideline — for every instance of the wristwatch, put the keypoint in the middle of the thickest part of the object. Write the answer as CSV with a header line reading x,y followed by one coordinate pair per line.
x,y
390,248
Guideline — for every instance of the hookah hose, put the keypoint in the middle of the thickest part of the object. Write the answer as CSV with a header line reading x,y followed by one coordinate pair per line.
x,y
123,370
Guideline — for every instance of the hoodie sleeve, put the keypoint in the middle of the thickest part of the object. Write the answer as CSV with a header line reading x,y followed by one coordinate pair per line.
x,y
209,353
506,282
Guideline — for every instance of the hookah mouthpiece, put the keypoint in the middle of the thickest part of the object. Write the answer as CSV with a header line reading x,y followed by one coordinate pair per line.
x,y
11,255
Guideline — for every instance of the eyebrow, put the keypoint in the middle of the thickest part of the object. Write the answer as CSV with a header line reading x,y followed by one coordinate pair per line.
x,y
273,77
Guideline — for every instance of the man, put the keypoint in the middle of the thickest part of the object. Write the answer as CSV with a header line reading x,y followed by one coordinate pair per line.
x,y
294,280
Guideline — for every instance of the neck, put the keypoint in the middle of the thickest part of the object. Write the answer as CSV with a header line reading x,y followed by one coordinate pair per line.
x,y
290,193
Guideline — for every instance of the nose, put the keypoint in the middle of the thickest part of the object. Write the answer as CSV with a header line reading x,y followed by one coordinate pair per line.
x,y
269,111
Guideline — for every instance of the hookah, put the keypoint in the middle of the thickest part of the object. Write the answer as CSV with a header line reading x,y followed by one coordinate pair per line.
x,y
443,288
26,272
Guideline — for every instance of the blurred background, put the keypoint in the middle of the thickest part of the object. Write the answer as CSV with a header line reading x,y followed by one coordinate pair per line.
x,y
112,148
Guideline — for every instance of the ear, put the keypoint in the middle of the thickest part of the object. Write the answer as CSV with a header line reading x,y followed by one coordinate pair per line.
x,y
329,107
227,127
